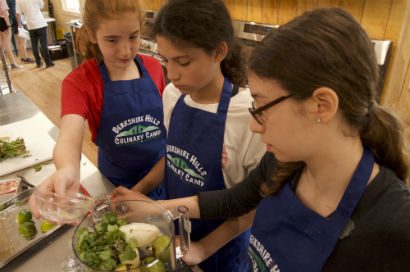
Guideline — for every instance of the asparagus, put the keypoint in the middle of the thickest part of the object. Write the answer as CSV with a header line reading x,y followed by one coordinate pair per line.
x,y
11,149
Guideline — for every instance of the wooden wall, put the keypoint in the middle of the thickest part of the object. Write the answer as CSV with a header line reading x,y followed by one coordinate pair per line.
x,y
378,17
152,4
397,89
374,15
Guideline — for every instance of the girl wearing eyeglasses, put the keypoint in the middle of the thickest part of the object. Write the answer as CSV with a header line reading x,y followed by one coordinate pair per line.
x,y
330,191
209,144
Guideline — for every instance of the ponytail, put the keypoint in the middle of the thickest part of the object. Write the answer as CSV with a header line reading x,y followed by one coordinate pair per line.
x,y
233,66
282,171
384,135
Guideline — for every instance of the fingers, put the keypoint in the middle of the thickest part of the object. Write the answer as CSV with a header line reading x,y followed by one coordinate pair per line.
x,y
56,183
33,207
194,255
122,193
65,181
45,186
119,192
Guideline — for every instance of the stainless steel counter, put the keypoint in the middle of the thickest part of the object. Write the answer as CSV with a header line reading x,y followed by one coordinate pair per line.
x,y
15,107
49,253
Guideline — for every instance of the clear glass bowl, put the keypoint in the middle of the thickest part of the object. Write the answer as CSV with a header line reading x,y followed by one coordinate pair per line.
x,y
63,209
133,211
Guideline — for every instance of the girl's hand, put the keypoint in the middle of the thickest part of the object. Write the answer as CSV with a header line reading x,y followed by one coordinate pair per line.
x,y
196,254
121,193
65,181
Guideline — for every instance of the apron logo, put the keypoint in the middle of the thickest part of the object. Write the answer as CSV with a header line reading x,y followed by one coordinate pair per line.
x,y
182,168
261,259
138,133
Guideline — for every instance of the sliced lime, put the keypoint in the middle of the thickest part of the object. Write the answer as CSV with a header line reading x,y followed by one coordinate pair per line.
x,y
46,226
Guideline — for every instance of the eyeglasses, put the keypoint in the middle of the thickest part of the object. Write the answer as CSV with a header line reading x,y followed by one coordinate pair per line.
x,y
256,113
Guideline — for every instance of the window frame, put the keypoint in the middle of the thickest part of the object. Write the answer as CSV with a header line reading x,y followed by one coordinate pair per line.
x,y
68,10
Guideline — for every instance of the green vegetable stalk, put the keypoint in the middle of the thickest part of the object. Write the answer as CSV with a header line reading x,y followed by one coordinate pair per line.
x,y
11,149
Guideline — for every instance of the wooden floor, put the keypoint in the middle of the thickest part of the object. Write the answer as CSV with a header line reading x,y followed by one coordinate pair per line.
x,y
43,87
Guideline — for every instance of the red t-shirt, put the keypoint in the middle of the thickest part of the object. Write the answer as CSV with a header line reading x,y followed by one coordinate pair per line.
x,y
83,90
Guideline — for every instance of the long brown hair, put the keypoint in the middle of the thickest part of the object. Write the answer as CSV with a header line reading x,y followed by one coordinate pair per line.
x,y
203,24
95,11
326,47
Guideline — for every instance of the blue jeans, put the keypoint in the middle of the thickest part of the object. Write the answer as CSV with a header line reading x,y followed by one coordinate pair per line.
x,y
40,35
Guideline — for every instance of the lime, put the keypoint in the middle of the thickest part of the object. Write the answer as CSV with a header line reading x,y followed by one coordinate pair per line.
x,y
27,230
160,246
46,226
127,268
151,264
24,215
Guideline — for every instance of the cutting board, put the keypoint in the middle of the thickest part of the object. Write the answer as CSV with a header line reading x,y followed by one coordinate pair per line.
x,y
37,140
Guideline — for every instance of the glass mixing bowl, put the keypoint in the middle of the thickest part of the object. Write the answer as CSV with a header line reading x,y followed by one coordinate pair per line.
x,y
146,227
69,209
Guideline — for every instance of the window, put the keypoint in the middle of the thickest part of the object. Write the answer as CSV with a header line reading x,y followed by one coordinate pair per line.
x,y
71,5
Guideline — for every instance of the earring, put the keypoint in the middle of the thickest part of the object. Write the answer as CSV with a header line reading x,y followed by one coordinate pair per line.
x,y
318,120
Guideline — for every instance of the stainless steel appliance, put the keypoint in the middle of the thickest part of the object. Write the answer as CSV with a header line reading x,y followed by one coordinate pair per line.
x,y
382,49
250,34
148,45
148,26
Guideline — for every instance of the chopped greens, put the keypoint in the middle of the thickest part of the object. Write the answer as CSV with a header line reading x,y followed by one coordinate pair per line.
x,y
115,244
39,166
11,149
105,248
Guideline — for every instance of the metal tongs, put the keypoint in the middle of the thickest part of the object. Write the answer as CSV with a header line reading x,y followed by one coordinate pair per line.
x,y
23,191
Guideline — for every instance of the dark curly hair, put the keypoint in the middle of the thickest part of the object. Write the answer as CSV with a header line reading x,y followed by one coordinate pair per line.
x,y
203,24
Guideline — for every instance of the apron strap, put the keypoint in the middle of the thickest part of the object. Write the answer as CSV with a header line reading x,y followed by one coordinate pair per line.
x,y
104,72
141,66
225,97
357,184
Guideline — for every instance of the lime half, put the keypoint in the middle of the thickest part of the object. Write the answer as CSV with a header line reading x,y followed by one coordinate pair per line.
x,y
46,226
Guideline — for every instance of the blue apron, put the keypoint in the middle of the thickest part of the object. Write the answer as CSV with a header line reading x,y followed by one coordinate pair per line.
x,y
193,164
287,236
131,136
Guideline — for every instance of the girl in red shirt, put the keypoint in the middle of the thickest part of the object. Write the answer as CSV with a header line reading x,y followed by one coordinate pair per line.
x,y
118,93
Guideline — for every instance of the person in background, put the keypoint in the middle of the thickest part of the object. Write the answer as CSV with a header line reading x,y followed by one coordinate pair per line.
x,y
209,145
5,34
21,42
330,192
118,93
37,27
